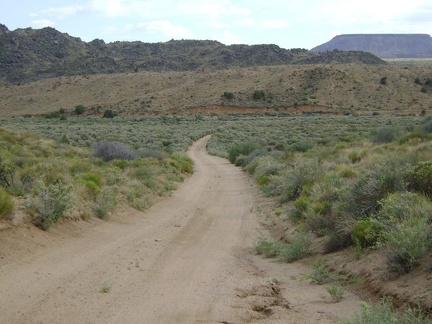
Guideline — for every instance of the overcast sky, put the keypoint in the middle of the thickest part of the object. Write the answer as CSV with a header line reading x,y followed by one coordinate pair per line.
x,y
287,23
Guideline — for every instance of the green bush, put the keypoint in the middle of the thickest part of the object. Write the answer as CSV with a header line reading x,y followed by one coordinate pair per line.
x,y
406,218
105,202
420,178
108,114
426,125
228,95
361,197
382,313
91,187
94,177
146,175
298,248
366,233
385,134
79,110
269,248
319,275
182,163
50,203
258,95
241,149
6,204
300,173
336,292
7,173
301,146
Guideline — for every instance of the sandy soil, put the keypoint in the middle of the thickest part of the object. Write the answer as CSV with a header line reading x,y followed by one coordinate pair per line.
x,y
189,259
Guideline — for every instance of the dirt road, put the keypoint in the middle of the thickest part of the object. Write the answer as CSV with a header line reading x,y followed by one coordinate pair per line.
x,y
188,259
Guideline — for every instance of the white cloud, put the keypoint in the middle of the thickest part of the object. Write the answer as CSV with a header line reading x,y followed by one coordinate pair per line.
x,y
63,12
42,23
228,38
275,24
166,28
246,22
342,12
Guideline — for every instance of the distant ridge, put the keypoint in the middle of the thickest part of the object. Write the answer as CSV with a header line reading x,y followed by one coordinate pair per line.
x,y
382,45
31,54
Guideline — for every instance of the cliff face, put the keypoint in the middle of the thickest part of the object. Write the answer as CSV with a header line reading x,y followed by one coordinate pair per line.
x,y
382,45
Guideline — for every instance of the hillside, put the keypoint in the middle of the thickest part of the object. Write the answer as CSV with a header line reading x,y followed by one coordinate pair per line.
x,y
338,88
382,45
31,54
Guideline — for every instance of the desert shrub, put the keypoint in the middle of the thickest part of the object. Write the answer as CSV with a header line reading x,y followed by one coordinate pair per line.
x,y
108,114
7,173
79,109
319,275
302,171
426,125
258,95
79,167
105,202
420,178
50,203
149,153
336,292
320,223
228,95
181,162
366,233
415,135
91,187
339,237
143,172
269,248
6,204
54,114
298,247
361,196
266,166
112,175
94,177
399,207
297,209
301,146
406,218
241,149
385,134
108,151
142,204
251,161
146,175
354,157
64,139
382,313
323,195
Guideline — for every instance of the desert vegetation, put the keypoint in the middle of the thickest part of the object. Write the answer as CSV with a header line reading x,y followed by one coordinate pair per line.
x,y
52,180
355,183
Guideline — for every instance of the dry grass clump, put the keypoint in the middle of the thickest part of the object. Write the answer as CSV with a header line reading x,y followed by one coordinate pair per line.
x,y
53,180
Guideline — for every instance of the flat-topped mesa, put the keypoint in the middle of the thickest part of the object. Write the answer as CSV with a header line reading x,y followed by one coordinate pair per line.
x,y
382,45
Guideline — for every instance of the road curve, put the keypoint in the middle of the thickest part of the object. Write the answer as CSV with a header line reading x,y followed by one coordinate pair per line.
x,y
176,263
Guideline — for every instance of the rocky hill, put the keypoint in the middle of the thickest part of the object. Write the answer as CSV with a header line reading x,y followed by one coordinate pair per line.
x,y
382,45
31,54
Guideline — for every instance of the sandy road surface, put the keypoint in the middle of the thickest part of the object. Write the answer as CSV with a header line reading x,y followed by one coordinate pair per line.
x,y
186,260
